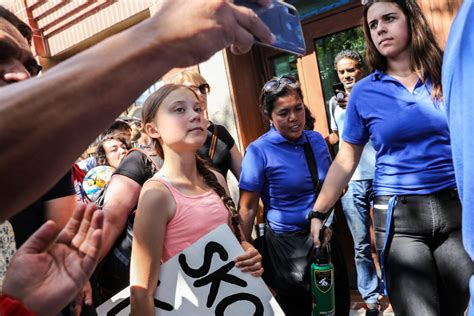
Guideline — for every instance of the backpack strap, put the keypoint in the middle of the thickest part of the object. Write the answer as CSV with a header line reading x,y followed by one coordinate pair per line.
x,y
212,148
148,156
313,169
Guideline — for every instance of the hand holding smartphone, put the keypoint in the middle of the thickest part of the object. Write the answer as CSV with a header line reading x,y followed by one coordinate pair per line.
x,y
283,21
339,91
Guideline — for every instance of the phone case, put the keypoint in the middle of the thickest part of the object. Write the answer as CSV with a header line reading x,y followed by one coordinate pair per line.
x,y
284,22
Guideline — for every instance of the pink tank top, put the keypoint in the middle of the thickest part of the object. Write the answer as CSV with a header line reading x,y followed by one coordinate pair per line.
x,y
195,216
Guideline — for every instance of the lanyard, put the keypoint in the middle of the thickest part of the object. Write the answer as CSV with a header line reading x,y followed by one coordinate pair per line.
x,y
391,205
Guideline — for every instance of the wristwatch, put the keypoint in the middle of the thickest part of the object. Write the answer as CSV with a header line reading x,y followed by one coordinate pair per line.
x,y
317,214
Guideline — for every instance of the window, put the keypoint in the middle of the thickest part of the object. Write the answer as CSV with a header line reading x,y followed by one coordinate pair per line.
x,y
327,48
284,65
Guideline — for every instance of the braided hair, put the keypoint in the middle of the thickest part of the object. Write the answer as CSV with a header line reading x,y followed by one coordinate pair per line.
x,y
212,182
149,110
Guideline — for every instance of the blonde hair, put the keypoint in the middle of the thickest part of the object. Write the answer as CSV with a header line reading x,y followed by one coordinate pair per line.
x,y
191,76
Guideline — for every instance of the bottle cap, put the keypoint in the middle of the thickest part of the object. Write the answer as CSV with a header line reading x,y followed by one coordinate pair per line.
x,y
321,255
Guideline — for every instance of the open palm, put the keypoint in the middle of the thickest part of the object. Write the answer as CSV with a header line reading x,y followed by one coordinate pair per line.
x,y
47,273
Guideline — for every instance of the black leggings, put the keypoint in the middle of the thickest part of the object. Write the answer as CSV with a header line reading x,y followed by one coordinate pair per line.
x,y
427,268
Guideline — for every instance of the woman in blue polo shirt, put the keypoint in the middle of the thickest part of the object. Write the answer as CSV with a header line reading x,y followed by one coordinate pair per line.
x,y
275,169
399,108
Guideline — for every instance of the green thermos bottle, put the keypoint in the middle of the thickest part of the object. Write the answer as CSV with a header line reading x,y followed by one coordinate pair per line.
x,y
322,281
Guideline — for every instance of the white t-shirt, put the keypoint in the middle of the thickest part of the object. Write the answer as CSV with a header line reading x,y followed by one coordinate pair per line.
x,y
366,168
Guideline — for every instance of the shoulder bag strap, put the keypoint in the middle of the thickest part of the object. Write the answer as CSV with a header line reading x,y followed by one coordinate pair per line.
x,y
146,154
212,148
308,152
313,169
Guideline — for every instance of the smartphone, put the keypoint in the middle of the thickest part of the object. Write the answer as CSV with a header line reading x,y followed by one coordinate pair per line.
x,y
339,91
284,22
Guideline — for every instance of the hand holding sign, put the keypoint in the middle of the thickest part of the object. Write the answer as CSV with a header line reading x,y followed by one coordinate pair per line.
x,y
204,280
250,261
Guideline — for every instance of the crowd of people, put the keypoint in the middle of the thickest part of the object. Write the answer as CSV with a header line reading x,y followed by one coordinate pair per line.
x,y
395,158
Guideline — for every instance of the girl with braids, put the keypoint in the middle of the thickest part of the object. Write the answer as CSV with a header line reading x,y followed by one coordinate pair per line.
x,y
417,212
183,201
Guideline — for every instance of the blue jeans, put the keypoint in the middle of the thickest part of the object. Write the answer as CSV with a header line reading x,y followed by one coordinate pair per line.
x,y
356,206
426,265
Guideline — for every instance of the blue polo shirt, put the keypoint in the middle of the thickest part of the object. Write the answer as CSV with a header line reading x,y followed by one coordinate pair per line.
x,y
408,131
458,67
277,169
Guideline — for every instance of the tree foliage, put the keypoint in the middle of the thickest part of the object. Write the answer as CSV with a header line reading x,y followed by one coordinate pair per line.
x,y
328,47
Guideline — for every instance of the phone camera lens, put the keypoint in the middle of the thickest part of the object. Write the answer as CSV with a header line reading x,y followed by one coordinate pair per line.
x,y
340,95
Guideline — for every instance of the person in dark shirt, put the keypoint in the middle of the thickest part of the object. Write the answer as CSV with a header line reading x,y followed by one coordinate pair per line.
x,y
57,205
120,201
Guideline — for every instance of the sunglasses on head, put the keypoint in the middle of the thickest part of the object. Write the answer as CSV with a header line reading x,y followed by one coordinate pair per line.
x,y
276,84
202,89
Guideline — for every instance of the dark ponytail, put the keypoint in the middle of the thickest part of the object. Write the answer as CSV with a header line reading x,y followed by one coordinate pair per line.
x,y
212,182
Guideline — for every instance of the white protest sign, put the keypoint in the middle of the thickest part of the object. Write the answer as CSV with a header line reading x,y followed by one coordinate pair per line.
x,y
202,280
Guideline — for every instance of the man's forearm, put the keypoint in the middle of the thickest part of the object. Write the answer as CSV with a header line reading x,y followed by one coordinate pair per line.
x,y
81,96
338,176
116,212
248,218
109,237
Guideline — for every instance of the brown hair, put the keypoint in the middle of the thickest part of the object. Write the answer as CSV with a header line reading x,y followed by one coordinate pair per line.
x,y
426,55
150,108
100,154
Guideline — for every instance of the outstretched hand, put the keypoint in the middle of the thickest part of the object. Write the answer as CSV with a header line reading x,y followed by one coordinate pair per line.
x,y
206,27
47,273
